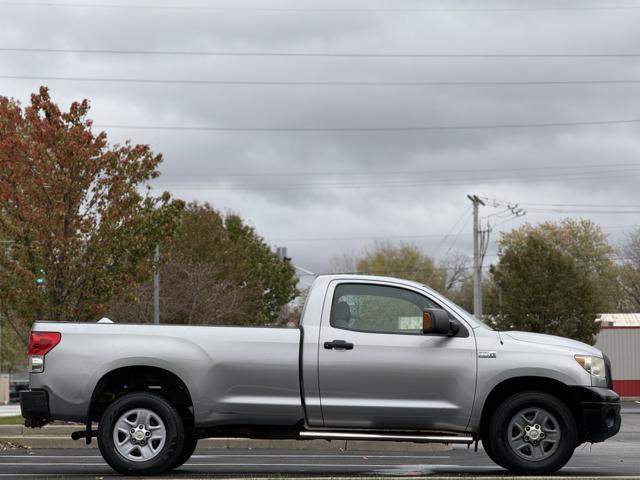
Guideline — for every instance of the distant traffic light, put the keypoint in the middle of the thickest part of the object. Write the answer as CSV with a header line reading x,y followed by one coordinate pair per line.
x,y
40,278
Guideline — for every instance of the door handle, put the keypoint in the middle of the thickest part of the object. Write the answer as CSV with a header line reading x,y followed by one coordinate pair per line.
x,y
338,345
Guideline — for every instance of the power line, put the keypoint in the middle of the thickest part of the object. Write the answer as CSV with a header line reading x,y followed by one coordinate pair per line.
x,y
613,212
221,53
500,214
586,205
592,205
509,219
416,183
395,185
367,237
456,171
328,83
458,233
417,128
307,9
444,239
576,207
399,237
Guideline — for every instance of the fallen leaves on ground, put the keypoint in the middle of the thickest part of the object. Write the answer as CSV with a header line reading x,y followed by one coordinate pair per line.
x,y
5,445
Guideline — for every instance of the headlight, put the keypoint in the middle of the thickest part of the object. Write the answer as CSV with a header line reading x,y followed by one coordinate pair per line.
x,y
593,365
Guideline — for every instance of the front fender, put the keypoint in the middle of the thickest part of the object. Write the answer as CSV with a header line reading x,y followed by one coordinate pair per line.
x,y
516,359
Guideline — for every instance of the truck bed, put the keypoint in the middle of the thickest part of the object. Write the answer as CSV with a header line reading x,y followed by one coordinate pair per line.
x,y
251,373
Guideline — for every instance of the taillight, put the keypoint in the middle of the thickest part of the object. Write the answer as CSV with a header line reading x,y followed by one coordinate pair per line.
x,y
41,343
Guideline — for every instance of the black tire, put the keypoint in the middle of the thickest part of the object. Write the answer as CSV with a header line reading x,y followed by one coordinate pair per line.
x,y
488,449
543,455
188,447
167,454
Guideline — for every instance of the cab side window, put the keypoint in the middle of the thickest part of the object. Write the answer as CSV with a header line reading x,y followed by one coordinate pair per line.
x,y
378,309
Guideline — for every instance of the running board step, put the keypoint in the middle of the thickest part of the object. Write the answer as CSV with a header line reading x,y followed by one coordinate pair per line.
x,y
386,437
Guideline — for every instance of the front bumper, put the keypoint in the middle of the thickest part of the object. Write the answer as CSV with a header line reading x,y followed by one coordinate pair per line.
x,y
35,407
600,413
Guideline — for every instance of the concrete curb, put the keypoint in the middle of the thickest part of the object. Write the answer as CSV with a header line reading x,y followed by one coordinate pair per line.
x,y
49,430
59,436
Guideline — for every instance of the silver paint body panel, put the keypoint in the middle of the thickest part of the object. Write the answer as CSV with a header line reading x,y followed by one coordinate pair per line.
x,y
234,375
251,376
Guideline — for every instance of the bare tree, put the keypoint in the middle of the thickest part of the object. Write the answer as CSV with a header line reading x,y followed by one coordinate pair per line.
x,y
631,248
629,272
192,293
456,270
344,263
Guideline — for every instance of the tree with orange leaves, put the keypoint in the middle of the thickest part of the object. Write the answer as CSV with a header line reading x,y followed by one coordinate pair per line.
x,y
78,222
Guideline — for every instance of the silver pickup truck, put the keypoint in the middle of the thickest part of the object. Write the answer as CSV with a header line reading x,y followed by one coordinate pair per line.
x,y
374,358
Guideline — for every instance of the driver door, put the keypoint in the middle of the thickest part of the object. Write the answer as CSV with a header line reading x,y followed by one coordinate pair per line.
x,y
377,370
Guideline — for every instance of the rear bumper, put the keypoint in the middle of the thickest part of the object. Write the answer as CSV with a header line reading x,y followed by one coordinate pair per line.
x,y
35,407
600,413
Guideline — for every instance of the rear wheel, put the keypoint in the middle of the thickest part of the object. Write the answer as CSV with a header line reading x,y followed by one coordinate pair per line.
x,y
141,434
532,433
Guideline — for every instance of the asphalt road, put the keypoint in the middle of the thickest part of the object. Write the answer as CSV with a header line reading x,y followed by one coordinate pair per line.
x,y
619,456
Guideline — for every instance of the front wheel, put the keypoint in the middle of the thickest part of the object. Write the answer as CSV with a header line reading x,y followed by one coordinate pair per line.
x,y
533,433
488,449
189,446
141,434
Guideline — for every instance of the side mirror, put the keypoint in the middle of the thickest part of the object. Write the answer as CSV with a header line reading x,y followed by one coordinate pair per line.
x,y
435,320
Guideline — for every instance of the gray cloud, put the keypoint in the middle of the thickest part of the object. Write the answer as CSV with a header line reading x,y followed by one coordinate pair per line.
x,y
318,216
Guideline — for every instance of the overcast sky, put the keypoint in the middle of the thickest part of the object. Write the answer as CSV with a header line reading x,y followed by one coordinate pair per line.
x,y
321,193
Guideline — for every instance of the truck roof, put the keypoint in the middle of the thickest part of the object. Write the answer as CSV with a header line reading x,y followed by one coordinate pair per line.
x,y
379,278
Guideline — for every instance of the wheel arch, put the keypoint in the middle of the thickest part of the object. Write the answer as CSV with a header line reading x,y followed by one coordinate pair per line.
x,y
136,378
511,386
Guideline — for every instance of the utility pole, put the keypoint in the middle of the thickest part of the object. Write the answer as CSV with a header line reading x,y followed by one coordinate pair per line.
x,y
7,251
156,287
282,253
477,257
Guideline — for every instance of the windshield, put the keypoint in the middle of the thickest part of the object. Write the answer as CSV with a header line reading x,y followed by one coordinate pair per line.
x,y
470,317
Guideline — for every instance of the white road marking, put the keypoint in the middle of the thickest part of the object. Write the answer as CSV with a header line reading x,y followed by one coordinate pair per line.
x,y
374,469
183,477
261,455
310,465
49,456
49,464
291,464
